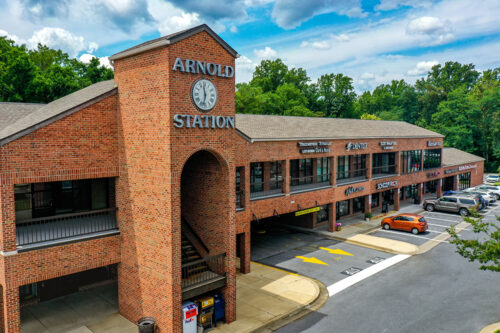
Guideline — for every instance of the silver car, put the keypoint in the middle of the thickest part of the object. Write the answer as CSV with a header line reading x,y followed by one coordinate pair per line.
x,y
495,189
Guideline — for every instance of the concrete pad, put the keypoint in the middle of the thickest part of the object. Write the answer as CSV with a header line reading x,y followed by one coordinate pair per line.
x,y
113,323
82,329
383,244
491,328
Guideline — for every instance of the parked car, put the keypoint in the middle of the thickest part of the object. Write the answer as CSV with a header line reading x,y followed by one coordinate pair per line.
x,y
487,195
492,179
408,222
492,188
457,203
483,201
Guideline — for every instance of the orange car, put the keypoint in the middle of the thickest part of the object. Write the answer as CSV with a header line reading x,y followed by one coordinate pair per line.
x,y
408,222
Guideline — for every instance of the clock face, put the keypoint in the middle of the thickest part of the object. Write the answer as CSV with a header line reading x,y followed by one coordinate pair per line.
x,y
204,94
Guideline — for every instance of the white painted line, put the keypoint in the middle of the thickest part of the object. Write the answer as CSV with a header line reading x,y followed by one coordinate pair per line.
x,y
412,235
440,219
436,232
365,273
439,225
445,214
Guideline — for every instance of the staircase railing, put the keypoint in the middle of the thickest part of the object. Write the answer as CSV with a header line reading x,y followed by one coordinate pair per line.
x,y
194,239
203,270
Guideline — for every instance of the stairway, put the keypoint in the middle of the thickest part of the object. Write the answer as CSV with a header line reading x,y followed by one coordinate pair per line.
x,y
189,255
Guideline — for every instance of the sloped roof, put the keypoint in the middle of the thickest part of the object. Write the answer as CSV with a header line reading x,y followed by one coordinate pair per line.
x,y
276,128
454,156
171,39
21,119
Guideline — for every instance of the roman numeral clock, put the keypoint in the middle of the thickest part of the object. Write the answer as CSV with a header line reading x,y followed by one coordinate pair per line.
x,y
204,95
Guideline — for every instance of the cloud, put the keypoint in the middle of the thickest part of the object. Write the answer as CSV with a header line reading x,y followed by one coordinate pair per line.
x,y
319,45
104,61
422,68
290,14
341,37
266,53
244,69
16,39
430,30
214,10
394,4
233,29
59,38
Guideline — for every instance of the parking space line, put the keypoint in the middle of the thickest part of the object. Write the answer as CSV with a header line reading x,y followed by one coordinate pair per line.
x,y
365,273
436,232
440,219
439,225
445,214
412,235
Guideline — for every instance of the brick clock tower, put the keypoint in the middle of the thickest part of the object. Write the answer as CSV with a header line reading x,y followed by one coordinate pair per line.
x,y
176,153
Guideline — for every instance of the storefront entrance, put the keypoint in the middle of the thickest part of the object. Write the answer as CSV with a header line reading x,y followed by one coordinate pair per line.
x,y
448,183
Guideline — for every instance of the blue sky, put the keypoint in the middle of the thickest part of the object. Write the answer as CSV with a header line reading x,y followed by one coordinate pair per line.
x,y
372,41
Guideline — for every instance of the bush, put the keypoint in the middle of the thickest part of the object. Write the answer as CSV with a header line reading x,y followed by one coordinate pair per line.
x,y
368,215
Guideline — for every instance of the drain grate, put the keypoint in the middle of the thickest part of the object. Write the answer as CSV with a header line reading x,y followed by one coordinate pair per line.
x,y
375,260
351,271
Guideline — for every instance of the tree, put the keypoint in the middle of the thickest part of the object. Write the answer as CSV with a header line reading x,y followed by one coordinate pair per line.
x,y
336,96
370,116
485,250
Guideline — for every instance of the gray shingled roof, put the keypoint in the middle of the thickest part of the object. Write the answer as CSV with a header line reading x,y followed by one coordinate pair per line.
x,y
12,112
275,128
173,38
454,156
33,118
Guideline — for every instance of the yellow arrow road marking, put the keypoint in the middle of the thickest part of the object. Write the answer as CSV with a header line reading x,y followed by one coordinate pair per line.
x,y
336,251
312,260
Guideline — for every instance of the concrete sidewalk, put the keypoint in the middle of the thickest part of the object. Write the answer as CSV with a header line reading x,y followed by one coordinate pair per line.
x,y
269,298
355,232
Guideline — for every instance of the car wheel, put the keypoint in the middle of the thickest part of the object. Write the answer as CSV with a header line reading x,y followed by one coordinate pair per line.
x,y
429,208
464,212
387,226
414,231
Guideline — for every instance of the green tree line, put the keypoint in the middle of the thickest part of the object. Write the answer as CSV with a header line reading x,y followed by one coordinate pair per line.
x,y
44,74
455,100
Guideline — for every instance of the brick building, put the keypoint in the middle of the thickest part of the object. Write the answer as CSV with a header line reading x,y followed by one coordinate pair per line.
x,y
151,179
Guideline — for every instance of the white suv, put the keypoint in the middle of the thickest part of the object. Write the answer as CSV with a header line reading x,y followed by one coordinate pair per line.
x,y
492,179
495,189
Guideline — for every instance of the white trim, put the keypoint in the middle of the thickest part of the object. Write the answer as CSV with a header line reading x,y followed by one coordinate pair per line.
x,y
9,253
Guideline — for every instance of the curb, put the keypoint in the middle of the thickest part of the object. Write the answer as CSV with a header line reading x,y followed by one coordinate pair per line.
x,y
297,314
491,328
380,248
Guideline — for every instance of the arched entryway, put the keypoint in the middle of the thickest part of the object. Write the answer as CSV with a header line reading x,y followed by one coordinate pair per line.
x,y
205,195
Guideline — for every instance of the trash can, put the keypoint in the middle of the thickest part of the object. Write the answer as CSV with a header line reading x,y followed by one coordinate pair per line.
x,y
146,325
220,309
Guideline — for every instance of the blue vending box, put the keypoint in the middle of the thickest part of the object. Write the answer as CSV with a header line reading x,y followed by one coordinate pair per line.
x,y
220,309
189,315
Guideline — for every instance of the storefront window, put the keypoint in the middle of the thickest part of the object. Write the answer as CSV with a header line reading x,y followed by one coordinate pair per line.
x,y
275,175
322,215
464,181
411,161
342,208
384,163
432,159
239,194
323,169
375,200
411,191
351,166
256,177
431,186
301,171
358,205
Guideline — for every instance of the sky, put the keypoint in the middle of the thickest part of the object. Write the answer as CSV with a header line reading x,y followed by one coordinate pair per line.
x,y
372,41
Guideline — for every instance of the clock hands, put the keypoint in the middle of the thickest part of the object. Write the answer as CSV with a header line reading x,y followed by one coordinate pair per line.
x,y
204,94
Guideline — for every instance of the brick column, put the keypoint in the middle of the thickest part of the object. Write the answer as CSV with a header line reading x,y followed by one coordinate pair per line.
x,y
396,199
11,310
245,185
266,175
455,183
8,219
439,188
244,245
369,166
333,172
315,170
368,204
285,168
332,217
397,160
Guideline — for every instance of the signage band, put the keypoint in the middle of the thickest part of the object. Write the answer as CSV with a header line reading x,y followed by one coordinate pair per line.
x,y
433,143
387,184
203,121
307,211
356,146
350,190
202,67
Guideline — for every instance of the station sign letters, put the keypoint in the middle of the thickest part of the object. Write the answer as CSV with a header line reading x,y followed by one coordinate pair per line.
x,y
450,171
202,67
356,146
350,190
314,147
388,145
387,184
433,143
467,167
203,121
433,174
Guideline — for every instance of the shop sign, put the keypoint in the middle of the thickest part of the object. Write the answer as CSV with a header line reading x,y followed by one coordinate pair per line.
x,y
350,190
356,146
307,211
314,147
387,145
467,167
433,143
389,184
203,121
450,171
202,67
433,174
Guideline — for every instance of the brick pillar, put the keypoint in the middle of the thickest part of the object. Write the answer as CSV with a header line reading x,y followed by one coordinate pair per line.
x,y
369,166
315,170
8,219
439,188
11,310
266,173
396,199
286,176
244,244
332,217
368,204
455,183
397,160
333,173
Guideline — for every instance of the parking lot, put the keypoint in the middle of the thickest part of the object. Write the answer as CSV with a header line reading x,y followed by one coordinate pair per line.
x,y
323,259
437,222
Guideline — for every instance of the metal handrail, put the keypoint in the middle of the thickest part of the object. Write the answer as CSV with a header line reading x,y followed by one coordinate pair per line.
x,y
190,229
310,179
65,216
274,184
352,173
202,260
390,169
